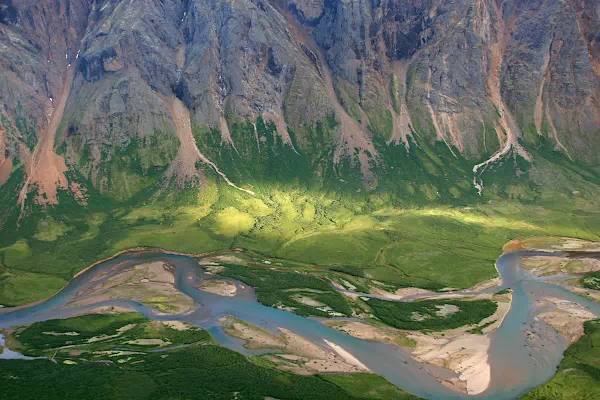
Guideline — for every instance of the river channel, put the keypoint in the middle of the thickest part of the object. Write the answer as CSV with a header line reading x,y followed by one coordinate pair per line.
x,y
517,363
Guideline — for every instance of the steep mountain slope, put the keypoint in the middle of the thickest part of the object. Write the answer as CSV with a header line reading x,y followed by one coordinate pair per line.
x,y
388,146
86,86
404,141
303,129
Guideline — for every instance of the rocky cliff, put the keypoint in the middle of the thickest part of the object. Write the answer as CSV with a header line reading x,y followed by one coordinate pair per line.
x,y
120,94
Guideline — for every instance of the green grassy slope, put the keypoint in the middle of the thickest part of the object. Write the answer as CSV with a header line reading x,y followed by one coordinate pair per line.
x,y
424,225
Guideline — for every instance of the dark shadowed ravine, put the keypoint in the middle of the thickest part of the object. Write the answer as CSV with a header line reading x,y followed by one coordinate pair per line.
x,y
516,364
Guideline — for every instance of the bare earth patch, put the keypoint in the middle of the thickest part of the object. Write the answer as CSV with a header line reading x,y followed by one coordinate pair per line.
x,y
299,355
461,351
513,245
446,309
486,285
61,333
593,295
177,325
308,301
416,316
219,287
44,168
398,294
183,167
559,243
567,318
120,331
365,331
5,162
152,284
348,357
466,354
546,266
148,342
255,337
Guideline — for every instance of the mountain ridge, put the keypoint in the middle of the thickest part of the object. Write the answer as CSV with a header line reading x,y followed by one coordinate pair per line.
x,y
486,79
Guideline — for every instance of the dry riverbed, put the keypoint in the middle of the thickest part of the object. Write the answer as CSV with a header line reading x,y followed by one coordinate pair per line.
x,y
297,354
548,266
555,243
566,317
363,330
219,287
463,350
152,284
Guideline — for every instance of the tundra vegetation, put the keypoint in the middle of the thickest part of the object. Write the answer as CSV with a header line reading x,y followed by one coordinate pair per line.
x,y
403,241
428,315
388,160
90,334
93,355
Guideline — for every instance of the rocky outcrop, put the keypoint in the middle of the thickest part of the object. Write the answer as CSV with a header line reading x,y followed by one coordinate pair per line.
x,y
452,51
484,78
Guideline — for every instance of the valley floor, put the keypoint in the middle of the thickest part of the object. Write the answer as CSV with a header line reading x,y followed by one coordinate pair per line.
x,y
302,288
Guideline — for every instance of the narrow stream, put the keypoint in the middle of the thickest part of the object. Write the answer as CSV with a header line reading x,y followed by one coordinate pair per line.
x,y
518,363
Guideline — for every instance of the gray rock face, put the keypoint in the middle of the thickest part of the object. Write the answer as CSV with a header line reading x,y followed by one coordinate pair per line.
x,y
546,53
473,74
308,11
37,40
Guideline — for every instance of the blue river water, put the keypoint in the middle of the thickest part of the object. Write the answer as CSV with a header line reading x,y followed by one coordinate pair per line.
x,y
518,362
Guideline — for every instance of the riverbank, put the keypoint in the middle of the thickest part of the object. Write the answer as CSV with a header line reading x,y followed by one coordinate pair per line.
x,y
151,284
297,354
576,377
445,349
463,351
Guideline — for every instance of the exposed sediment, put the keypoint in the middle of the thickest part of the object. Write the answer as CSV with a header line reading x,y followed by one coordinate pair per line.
x,y
299,355
44,168
184,166
5,161
507,130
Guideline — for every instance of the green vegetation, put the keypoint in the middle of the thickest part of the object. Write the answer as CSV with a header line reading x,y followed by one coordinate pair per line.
x,y
136,165
578,375
478,330
97,370
83,328
349,269
430,314
300,292
382,122
423,226
369,386
20,287
204,372
231,222
49,230
402,246
91,333
591,281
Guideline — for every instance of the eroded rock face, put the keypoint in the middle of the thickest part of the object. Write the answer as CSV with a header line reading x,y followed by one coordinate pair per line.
x,y
307,11
545,56
478,76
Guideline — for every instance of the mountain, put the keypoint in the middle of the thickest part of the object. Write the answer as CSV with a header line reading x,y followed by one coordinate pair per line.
x,y
339,133
122,94
392,148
